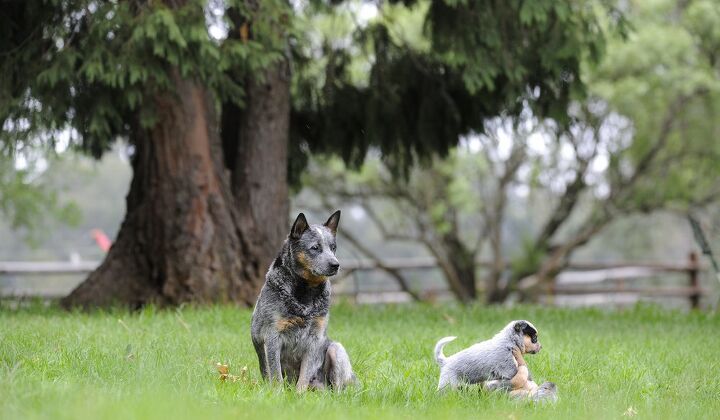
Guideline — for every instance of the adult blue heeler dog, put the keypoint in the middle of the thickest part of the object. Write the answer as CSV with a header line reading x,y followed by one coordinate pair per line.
x,y
290,320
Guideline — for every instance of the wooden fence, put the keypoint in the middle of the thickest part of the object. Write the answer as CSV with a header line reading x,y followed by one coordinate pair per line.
x,y
47,267
576,280
580,278
619,278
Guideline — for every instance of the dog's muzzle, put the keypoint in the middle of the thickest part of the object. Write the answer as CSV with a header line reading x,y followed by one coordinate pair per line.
x,y
536,350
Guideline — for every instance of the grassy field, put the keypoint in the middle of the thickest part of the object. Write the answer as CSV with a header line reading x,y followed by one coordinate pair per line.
x,y
160,364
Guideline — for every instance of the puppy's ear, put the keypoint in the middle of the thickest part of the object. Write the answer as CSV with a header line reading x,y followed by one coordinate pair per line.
x,y
520,326
299,227
333,222
530,330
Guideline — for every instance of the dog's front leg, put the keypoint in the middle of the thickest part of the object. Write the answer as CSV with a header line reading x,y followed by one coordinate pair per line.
x,y
309,367
522,386
260,350
520,380
272,347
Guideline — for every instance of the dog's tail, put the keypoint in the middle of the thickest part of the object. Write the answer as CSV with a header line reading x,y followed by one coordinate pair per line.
x,y
439,356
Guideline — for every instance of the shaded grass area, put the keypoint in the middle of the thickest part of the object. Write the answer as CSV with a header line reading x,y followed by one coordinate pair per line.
x,y
161,364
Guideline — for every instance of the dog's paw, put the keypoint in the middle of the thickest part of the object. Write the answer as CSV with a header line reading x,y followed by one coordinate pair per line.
x,y
547,392
496,385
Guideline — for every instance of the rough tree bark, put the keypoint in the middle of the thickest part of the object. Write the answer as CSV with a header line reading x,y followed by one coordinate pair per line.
x,y
183,239
259,181
255,140
207,210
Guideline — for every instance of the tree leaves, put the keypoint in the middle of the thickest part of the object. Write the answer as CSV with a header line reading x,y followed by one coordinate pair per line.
x,y
666,82
94,67
25,198
419,97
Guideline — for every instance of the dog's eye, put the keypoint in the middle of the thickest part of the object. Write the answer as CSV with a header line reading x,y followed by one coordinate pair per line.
x,y
315,247
333,247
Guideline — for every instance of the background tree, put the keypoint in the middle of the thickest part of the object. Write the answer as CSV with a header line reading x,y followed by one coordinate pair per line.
x,y
643,141
454,207
665,80
147,72
412,94
207,205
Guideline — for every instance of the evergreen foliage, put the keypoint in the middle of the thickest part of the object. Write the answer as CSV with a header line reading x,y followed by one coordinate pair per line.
x,y
483,59
95,66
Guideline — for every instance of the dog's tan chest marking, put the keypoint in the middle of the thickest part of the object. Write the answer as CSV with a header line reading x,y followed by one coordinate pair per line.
x,y
313,279
319,323
284,324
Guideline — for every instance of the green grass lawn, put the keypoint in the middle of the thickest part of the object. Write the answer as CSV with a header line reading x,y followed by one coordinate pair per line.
x,y
160,364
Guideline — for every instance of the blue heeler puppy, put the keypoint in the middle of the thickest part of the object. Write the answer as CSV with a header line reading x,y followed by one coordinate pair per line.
x,y
291,315
496,363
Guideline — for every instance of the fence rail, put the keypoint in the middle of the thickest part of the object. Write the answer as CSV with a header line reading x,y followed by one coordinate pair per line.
x,y
580,278
47,267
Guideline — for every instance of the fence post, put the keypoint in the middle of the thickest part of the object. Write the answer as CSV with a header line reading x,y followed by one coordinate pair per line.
x,y
694,277
356,286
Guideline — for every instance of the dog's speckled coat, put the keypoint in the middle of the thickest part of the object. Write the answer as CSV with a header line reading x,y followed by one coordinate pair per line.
x,y
289,323
485,361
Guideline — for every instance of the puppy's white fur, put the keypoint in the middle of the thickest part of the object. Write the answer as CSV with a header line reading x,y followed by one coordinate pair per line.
x,y
485,361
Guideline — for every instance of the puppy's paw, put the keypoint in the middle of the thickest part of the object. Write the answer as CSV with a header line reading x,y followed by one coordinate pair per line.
x,y
547,392
497,385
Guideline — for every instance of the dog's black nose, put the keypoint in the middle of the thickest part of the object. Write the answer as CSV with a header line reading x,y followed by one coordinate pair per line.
x,y
334,265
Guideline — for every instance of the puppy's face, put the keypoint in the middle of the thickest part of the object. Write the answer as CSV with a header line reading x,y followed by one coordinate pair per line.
x,y
546,392
313,248
528,337
531,345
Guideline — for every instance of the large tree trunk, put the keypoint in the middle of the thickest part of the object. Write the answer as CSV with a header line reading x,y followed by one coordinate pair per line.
x,y
207,211
183,239
260,178
255,140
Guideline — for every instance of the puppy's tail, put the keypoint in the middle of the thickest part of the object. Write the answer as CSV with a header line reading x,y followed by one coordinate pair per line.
x,y
439,356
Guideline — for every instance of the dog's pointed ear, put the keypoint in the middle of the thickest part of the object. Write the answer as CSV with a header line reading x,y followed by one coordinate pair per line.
x,y
520,326
333,222
299,227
